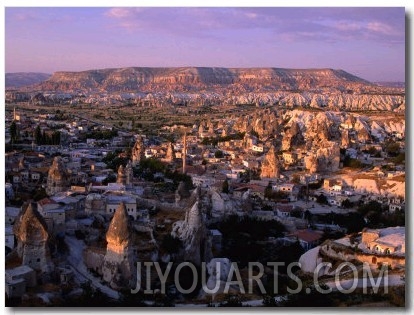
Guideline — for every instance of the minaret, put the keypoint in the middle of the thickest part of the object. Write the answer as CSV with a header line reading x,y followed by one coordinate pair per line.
x,y
14,114
184,152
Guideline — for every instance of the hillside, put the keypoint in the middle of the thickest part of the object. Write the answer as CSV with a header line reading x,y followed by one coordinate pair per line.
x,y
317,88
20,79
193,79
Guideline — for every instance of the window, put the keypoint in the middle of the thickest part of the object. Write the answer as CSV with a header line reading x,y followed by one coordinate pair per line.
x,y
374,260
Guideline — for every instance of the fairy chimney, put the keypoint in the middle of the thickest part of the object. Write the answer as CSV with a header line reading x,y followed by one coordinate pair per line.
x,y
119,261
170,153
58,177
138,151
32,236
121,176
270,165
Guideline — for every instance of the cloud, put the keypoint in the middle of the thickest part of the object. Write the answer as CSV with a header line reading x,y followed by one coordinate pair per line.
x,y
324,24
122,13
382,28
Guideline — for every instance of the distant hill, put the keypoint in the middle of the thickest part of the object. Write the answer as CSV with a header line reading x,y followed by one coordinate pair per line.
x,y
201,78
20,79
391,84
318,88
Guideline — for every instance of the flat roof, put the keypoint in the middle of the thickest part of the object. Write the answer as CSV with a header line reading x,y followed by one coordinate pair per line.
x,y
19,270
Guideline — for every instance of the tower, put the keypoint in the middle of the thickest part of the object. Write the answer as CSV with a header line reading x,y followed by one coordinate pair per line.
x,y
184,155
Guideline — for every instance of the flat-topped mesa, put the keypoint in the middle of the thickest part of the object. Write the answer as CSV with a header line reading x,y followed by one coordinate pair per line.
x,y
32,236
316,88
58,177
143,78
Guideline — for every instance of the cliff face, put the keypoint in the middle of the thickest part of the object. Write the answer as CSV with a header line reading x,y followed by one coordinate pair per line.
x,y
191,78
19,79
317,88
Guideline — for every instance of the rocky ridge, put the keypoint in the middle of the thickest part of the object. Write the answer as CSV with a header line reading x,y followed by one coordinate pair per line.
x,y
314,88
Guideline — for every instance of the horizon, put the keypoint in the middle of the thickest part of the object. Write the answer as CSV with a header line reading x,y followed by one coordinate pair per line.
x,y
366,42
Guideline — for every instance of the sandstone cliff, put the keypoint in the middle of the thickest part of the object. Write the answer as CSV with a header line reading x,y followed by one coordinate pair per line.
x,y
319,88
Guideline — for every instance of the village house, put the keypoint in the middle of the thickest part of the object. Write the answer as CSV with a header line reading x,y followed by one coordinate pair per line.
x,y
284,211
308,239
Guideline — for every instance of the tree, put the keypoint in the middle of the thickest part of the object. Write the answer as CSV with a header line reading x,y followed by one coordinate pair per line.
x,y
218,154
231,301
296,179
322,199
392,148
14,133
171,244
38,135
268,192
225,186
347,203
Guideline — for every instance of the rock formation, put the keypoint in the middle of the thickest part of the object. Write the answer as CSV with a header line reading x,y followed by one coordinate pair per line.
x,y
129,173
270,165
119,266
138,151
265,123
293,136
218,270
58,177
121,176
344,139
125,174
324,159
32,236
221,204
317,88
170,156
182,192
192,232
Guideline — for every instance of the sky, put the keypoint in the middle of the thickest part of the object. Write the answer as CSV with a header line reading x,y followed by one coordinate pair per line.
x,y
367,42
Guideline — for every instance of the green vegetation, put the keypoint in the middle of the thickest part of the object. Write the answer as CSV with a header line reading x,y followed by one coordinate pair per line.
x,y
218,154
241,236
399,159
352,163
225,186
392,148
99,135
171,244
14,132
216,140
378,216
42,138
113,160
